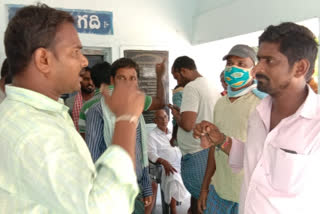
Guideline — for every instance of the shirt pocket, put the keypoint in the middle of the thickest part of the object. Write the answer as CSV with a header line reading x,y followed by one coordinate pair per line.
x,y
287,171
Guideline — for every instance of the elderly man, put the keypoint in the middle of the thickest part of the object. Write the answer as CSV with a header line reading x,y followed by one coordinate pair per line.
x,y
161,151
282,151
45,164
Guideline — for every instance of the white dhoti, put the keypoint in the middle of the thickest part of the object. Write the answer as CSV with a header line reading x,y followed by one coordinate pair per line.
x,y
159,147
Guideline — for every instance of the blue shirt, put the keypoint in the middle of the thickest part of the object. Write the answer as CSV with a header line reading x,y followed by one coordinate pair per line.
x,y
96,145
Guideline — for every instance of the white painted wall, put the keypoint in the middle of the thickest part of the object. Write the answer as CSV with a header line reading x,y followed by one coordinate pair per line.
x,y
219,19
138,24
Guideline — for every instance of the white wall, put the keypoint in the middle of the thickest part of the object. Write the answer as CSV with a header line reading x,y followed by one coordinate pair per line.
x,y
215,20
139,24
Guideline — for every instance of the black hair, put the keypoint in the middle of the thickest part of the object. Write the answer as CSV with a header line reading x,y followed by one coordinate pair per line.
x,y
32,27
5,72
296,42
184,62
100,73
123,63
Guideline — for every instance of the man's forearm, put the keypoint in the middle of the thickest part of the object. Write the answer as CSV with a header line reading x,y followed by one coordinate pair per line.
x,y
226,145
184,123
160,161
211,168
160,90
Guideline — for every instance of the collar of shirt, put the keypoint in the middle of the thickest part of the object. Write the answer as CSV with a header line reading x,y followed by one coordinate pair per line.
x,y
159,131
35,99
307,110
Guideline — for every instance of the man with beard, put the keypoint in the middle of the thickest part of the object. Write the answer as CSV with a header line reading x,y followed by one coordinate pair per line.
x,y
221,187
282,152
199,98
87,92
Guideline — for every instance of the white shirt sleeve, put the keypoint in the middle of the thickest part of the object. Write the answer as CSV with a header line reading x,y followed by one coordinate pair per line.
x,y
190,100
236,155
152,148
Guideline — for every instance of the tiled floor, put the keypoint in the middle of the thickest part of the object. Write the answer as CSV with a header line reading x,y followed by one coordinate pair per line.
x,y
182,209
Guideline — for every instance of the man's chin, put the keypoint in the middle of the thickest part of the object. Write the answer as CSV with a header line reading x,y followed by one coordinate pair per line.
x,y
262,88
86,91
76,88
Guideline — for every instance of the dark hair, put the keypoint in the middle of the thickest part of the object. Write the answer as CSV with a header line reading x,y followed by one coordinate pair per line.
x,y
123,63
296,42
31,28
184,62
4,69
101,74
5,72
87,69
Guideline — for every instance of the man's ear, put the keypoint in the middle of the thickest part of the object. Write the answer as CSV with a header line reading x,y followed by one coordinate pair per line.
x,y
183,72
42,60
301,67
253,72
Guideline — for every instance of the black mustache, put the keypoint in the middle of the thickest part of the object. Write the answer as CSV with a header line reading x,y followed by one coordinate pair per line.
x,y
262,76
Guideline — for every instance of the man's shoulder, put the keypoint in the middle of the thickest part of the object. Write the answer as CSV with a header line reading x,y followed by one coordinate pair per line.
x,y
196,83
154,132
26,121
89,103
96,108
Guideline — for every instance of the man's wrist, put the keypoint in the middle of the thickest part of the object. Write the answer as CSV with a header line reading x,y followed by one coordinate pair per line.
x,y
222,141
160,161
127,117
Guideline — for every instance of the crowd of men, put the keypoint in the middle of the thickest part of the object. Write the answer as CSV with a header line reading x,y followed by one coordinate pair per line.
x,y
252,148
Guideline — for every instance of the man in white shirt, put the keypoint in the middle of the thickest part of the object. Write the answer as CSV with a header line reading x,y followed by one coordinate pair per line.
x,y
161,151
199,98
282,153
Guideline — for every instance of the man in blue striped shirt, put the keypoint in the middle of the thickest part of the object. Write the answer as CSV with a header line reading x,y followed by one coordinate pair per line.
x,y
122,70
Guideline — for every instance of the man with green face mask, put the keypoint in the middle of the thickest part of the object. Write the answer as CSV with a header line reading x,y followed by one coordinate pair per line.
x,y
221,188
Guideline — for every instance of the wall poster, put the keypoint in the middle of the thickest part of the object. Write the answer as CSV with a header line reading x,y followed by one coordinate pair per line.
x,y
147,60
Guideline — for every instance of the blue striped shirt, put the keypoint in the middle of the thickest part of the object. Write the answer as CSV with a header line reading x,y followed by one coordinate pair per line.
x,y
96,145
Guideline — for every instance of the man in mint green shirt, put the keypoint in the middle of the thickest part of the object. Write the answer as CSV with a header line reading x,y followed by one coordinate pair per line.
x,y
45,164
220,191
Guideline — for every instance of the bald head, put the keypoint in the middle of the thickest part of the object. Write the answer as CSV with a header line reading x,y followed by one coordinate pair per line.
x,y
161,119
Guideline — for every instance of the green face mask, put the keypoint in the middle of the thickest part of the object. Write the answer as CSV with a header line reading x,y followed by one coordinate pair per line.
x,y
237,77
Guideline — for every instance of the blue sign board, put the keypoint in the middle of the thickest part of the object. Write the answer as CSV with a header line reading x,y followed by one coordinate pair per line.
x,y
87,21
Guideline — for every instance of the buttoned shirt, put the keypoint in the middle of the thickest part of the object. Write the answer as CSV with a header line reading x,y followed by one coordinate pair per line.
x,y
281,166
159,147
46,167
97,146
